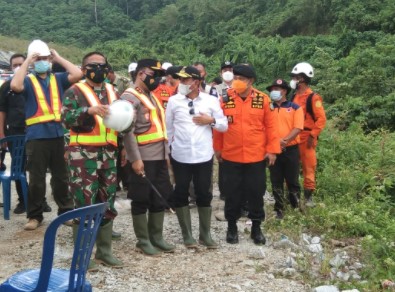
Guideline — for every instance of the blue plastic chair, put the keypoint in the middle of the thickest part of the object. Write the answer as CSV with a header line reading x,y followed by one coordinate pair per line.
x,y
55,280
17,172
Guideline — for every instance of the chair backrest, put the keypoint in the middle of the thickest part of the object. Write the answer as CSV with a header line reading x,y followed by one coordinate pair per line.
x,y
17,154
89,219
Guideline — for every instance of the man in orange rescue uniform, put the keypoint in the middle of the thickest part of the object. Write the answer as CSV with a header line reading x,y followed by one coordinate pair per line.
x,y
314,123
251,141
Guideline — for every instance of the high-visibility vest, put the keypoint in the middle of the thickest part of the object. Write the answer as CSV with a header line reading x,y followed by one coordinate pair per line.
x,y
100,135
45,112
157,131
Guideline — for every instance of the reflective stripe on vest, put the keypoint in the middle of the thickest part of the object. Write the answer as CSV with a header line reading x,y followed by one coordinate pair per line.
x,y
45,112
100,135
157,131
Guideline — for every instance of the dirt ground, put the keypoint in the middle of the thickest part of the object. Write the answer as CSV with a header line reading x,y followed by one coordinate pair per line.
x,y
240,267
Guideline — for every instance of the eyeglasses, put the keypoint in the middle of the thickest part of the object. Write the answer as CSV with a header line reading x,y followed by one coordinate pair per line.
x,y
96,66
191,108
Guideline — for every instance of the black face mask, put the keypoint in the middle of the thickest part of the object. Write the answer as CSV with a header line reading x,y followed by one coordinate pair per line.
x,y
151,82
97,75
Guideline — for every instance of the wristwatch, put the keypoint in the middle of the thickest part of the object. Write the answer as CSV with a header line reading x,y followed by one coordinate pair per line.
x,y
85,109
213,123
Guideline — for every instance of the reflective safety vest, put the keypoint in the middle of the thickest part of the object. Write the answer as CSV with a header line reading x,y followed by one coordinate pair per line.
x,y
45,112
99,135
157,131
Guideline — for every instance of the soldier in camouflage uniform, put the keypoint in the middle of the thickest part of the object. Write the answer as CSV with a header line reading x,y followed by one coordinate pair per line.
x,y
93,148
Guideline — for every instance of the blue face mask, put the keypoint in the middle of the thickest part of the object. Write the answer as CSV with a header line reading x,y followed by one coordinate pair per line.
x,y
275,95
41,66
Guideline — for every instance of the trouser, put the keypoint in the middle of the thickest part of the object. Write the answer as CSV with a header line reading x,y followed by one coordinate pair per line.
x,y
286,168
94,184
41,155
308,159
143,196
200,174
244,181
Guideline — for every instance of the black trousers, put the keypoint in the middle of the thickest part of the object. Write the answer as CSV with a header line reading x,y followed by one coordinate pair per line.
x,y
42,154
244,181
286,169
143,196
200,174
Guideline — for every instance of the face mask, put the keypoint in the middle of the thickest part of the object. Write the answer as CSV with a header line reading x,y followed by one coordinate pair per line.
x,y
41,66
227,76
184,89
97,75
293,84
151,82
239,86
16,69
275,95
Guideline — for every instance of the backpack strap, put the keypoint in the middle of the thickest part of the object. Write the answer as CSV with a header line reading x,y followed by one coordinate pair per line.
x,y
309,106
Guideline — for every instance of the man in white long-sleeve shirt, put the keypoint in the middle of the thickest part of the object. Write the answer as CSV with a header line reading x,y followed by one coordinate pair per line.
x,y
191,116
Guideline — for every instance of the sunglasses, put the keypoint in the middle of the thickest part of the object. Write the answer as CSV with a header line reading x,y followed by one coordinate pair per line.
x,y
191,108
96,66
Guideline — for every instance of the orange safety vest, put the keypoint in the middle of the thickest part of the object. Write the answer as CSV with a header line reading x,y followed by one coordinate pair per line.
x,y
45,112
100,135
157,131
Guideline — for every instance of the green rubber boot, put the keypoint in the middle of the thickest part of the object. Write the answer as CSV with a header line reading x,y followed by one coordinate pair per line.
x,y
104,247
204,228
143,244
155,230
184,219
92,267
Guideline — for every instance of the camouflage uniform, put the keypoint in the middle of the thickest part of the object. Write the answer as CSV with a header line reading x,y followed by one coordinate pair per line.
x,y
93,173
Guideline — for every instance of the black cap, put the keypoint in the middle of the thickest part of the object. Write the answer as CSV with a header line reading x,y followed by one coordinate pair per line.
x,y
149,63
189,72
244,70
279,83
226,64
173,70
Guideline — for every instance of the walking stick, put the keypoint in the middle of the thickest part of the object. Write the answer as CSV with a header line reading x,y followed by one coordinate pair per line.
x,y
157,192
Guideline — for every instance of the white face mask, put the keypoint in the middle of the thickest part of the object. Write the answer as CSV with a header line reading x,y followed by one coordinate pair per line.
x,y
16,69
293,84
275,95
227,76
184,89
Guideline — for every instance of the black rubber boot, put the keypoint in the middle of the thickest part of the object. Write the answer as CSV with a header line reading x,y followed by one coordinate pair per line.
x,y
256,232
308,196
231,235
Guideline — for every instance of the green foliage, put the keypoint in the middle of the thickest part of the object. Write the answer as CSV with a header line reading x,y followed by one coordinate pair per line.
x,y
355,196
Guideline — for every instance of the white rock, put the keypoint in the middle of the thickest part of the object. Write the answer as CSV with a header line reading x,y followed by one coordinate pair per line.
x,y
353,290
315,240
326,289
337,261
315,248
235,286
306,238
290,262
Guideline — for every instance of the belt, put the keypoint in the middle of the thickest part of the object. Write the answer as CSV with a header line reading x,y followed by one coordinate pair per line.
x,y
307,129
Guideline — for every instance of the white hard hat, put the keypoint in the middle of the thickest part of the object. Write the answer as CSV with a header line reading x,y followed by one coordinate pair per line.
x,y
303,68
38,46
120,116
132,67
166,65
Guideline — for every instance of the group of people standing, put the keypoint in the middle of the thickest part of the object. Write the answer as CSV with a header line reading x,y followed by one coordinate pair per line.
x,y
180,123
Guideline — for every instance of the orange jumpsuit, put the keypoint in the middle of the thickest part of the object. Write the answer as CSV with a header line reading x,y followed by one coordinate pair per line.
x,y
311,128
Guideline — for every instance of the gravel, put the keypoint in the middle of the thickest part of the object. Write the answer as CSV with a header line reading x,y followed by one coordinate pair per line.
x,y
240,267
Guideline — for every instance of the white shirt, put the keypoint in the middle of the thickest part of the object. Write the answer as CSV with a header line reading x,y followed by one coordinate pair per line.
x,y
191,143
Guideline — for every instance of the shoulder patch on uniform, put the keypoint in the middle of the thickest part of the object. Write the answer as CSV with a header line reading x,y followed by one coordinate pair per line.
x,y
318,103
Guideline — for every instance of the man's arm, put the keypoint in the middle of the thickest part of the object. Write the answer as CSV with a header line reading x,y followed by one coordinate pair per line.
x,y
75,73
17,82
